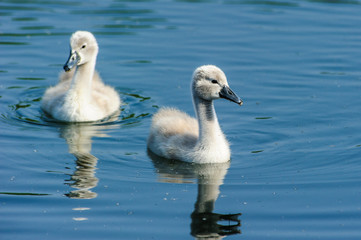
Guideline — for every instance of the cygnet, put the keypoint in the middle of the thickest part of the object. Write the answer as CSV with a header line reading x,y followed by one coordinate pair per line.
x,y
176,135
80,95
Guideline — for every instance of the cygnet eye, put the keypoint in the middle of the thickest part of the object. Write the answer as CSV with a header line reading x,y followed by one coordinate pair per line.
x,y
84,46
214,81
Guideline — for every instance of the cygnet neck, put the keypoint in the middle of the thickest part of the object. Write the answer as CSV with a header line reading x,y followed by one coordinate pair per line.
x,y
209,129
82,80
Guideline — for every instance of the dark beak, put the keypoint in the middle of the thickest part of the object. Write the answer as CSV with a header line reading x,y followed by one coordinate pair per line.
x,y
227,93
73,60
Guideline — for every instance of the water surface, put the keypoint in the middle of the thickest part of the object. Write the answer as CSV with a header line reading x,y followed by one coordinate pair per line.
x,y
295,168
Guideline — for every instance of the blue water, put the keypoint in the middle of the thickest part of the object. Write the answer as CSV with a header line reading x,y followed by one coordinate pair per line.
x,y
296,143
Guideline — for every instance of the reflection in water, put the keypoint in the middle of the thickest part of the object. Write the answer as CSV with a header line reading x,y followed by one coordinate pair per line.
x,y
83,178
78,136
205,223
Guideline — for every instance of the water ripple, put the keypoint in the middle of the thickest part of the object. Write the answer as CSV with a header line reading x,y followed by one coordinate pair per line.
x,y
26,110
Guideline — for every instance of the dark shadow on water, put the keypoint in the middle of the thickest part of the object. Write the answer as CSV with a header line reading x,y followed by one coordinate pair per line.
x,y
248,2
205,223
337,1
23,194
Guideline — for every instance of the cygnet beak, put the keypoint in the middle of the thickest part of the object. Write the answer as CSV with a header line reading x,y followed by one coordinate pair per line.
x,y
227,93
73,60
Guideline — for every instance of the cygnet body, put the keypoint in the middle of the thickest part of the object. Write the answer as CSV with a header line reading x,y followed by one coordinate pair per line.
x,y
176,135
80,95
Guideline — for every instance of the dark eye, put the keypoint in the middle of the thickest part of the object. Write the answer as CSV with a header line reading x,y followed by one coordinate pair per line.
x,y
84,46
214,81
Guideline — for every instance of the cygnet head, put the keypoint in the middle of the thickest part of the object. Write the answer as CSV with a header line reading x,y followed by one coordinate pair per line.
x,y
83,48
210,83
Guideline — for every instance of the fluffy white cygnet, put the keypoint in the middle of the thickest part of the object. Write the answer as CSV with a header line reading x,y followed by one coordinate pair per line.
x,y
80,95
176,135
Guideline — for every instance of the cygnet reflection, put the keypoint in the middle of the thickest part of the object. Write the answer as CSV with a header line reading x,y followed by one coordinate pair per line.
x,y
79,139
205,223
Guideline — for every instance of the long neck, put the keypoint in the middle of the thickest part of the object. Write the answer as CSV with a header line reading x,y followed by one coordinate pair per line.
x,y
82,80
209,129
